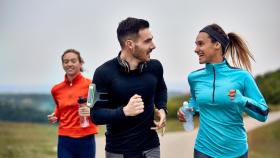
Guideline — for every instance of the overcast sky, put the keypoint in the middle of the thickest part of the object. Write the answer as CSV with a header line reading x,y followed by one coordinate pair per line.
x,y
34,34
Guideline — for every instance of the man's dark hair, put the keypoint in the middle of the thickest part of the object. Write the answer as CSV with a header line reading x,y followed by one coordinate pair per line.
x,y
129,28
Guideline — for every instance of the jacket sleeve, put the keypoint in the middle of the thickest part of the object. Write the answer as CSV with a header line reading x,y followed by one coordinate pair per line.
x,y
56,110
192,99
101,113
161,90
251,100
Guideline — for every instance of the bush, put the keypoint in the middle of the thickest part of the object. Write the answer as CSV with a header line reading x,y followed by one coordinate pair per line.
x,y
12,112
174,104
269,85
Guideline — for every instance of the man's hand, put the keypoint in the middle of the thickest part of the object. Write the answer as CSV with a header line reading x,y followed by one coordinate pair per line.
x,y
134,107
52,118
162,121
84,110
181,115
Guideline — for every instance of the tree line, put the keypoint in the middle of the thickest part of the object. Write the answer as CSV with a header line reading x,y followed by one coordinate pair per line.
x,y
25,107
269,84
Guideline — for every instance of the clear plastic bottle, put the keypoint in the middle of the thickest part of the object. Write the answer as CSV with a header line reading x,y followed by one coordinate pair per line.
x,y
186,109
84,122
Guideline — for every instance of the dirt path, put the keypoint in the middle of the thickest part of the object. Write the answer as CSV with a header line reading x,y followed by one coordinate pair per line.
x,y
180,144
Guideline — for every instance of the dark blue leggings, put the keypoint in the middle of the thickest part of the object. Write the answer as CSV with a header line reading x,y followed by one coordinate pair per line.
x,y
198,154
76,147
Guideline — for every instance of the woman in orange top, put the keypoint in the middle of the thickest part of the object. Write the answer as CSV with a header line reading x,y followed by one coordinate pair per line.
x,y
73,139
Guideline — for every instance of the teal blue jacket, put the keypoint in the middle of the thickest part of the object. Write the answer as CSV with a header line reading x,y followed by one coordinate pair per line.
x,y
221,130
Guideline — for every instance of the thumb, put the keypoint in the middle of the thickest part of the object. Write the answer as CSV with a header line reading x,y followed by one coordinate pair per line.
x,y
136,96
232,91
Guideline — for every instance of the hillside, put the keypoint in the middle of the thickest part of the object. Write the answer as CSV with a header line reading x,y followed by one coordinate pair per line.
x,y
25,107
269,84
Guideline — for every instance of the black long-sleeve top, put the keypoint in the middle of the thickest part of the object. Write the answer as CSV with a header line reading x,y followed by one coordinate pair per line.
x,y
129,134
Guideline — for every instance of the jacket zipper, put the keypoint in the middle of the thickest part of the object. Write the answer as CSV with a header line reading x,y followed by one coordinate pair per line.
x,y
213,96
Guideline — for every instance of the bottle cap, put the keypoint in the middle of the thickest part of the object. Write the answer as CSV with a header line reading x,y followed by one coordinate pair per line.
x,y
185,104
82,100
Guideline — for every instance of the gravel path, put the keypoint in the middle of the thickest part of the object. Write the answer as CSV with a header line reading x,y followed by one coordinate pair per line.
x,y
180,144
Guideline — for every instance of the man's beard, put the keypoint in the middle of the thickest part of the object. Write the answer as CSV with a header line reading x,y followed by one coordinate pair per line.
x,y
141,56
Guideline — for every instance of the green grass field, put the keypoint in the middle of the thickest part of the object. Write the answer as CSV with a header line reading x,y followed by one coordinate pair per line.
x,y
19,140
265,142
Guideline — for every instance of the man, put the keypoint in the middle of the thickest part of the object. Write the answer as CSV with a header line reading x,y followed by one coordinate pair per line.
x,y
133,84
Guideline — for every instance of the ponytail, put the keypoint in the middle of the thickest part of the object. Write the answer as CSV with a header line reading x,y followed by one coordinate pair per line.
x,y
234,48
238,51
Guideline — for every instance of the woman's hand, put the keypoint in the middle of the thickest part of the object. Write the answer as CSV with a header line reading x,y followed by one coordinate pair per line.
x,y
84,110
181,115
232,94
52,118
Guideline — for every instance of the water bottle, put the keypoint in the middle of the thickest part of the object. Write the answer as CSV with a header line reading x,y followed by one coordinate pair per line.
x,y
188,125
84,122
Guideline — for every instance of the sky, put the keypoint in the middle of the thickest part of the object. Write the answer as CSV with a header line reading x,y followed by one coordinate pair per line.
x,y
35,33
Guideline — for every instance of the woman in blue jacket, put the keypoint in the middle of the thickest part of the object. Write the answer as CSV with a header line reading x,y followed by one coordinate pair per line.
x,y
221,93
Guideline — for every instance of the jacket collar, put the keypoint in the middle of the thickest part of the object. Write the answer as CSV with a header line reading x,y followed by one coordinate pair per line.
x,y
218,67
74,81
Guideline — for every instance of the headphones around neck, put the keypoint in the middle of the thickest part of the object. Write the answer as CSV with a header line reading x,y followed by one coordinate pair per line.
x,y
126,67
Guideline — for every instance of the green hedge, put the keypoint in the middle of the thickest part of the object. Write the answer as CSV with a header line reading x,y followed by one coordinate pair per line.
x,y
269,84
174,104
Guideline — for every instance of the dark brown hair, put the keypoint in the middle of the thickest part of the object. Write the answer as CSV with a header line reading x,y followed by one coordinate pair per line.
x,y
77,53
236,50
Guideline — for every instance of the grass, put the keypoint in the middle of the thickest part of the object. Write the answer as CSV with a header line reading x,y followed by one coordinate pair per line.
x,y
27,140
274,107
265,141
40,140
